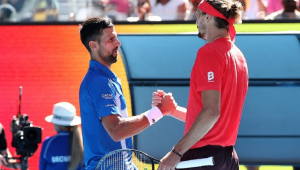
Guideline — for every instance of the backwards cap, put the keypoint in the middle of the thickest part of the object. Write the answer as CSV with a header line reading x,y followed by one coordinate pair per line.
x,y
207,8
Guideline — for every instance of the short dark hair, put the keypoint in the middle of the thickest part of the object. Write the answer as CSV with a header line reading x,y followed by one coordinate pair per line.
x,y
92,28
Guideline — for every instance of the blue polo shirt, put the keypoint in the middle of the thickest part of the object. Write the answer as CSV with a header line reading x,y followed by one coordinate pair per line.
x,y
100,95
56,152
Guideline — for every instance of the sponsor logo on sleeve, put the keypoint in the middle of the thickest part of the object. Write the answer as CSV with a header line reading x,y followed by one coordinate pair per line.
x,y
107,96
110,105
210,76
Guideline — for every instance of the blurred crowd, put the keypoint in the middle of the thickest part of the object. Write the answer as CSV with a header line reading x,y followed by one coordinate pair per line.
x,y
134,10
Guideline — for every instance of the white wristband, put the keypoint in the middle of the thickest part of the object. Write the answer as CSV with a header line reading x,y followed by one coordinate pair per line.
x,y
153,115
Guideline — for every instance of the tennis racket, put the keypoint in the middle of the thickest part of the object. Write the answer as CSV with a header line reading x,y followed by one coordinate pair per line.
x,y
131,159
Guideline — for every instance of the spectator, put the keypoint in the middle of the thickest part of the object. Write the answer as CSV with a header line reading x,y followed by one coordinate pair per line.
x,y
46,10
68,8
273,6
254,9
276,5
119,10
169,10
288,12
97,8
7,13
66,144
194,5
24,8
143,9
139,11
18,4
4,152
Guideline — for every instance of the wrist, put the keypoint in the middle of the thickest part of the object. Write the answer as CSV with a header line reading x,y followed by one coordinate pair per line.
x,y
153,115
178,110
176,152
181,109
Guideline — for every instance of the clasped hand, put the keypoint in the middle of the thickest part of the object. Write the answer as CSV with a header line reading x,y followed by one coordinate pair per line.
x,y
164,101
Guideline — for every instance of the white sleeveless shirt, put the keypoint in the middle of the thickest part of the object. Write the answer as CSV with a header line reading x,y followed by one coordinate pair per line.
x,y
167,11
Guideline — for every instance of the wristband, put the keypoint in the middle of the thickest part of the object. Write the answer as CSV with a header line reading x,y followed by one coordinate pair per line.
x,y
153,115
174,151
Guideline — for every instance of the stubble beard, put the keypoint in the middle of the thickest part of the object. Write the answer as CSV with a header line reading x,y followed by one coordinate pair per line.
x,y
201,34
110,58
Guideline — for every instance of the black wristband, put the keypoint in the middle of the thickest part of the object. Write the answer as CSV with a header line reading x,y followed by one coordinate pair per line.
x,y
174,151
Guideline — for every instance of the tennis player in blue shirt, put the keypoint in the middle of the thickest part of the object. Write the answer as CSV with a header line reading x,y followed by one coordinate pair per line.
x,y
105,122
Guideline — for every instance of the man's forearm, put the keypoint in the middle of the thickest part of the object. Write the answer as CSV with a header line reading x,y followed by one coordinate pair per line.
x,y
122,128
179,113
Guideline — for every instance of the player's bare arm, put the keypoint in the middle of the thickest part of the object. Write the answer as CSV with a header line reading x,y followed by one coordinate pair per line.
x,y
203,123
179,113
121,128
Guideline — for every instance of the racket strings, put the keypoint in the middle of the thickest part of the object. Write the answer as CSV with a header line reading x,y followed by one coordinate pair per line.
x,y
125,160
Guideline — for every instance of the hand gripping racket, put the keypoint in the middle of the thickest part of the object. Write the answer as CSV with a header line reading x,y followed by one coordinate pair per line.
x,y
131,159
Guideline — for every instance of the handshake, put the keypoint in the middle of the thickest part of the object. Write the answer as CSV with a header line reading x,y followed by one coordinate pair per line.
x,y
164,101
164,104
